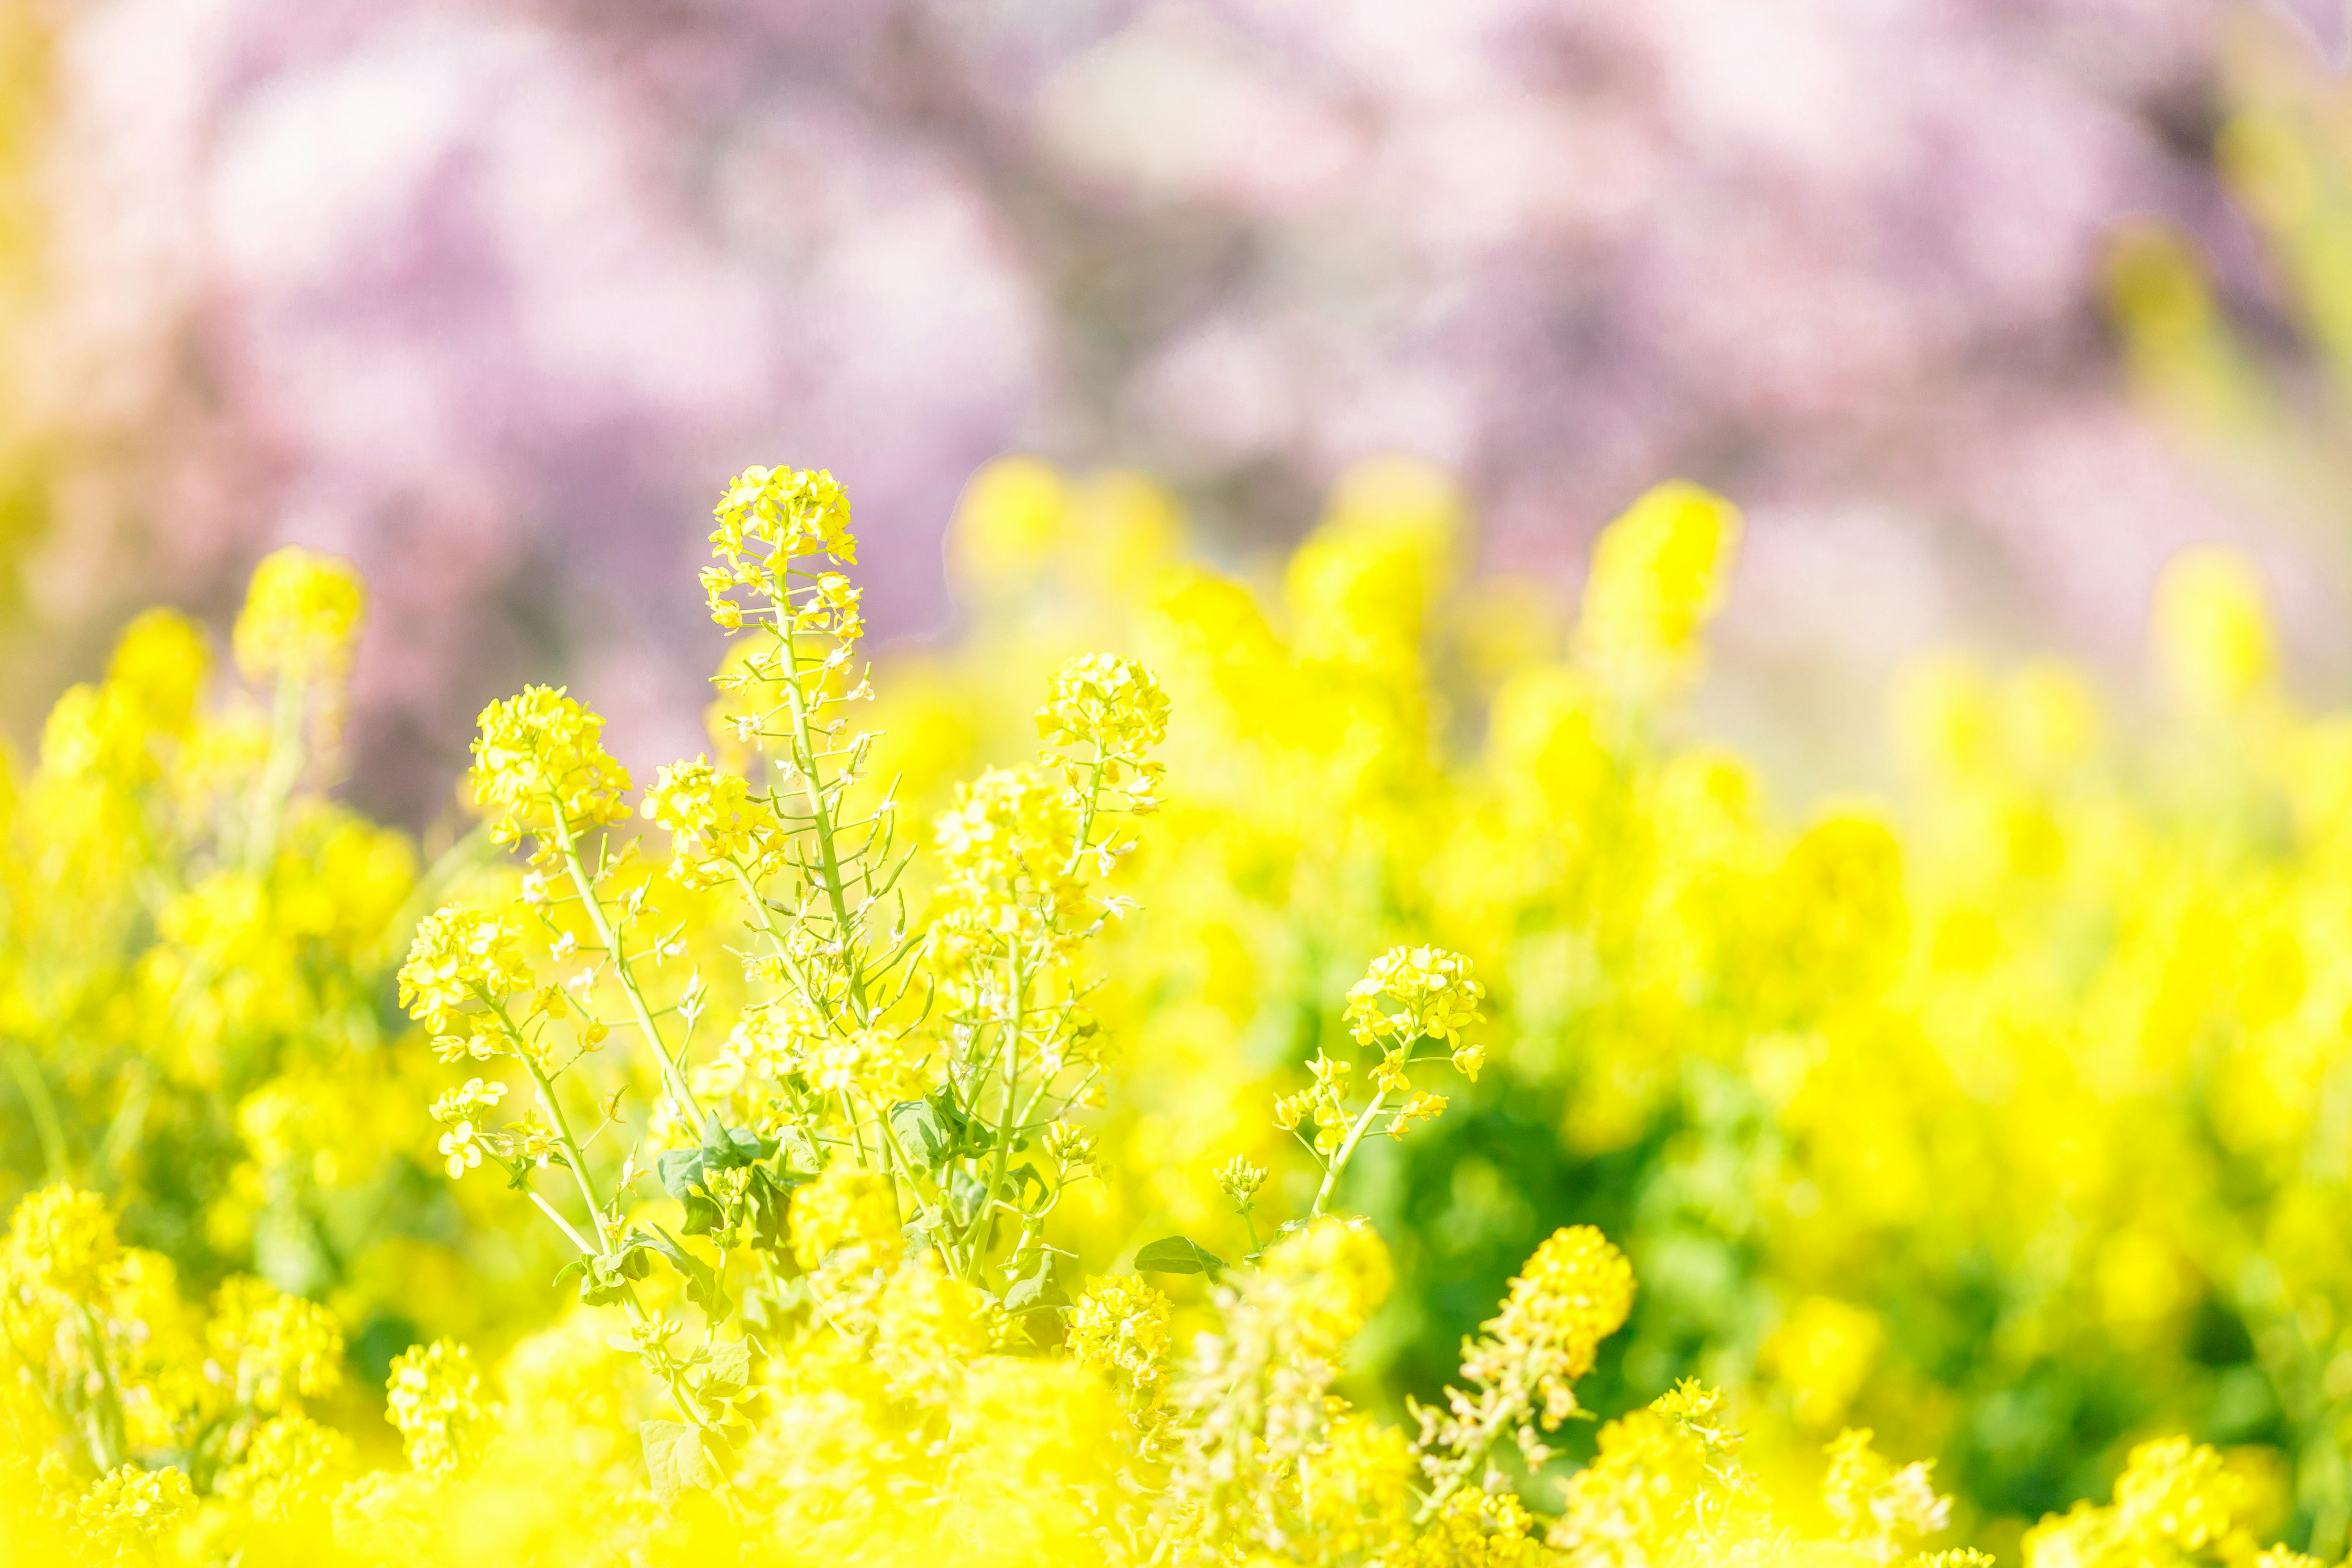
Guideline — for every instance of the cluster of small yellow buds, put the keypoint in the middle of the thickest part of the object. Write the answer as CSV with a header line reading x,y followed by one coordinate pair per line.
x,y
1322,1282
1005,849
1105,699
2179,1491
1007,825
714,826
540,769
1072,1149
1325,1104
462,1111
1240,1181
1412,994
462,958
1881,1511
127,1512
61,1239
435,1398
1658,578
158,666
829,606
767,519
291,1462
1121,1326
1112,708
280,1350
1573,1293
302,616
846,1211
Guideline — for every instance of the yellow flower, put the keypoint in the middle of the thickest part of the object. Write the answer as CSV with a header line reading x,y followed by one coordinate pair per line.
x,y
300,618
2211,630
63,1240
461,956
1121,1327
435,1398
713,823
540,769
1658,578
767,519
277,1348
1411,993
128,1510
1574,1292
846,1211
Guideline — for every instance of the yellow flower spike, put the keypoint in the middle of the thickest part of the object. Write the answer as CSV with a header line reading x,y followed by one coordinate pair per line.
x,y
62,1239
1659,575
433,1397
2210,630
1012,515
1880,1510
461,955
302,617
1411,993
291,1467
1361,586
1121,1328
713,824
846,1211
1575,1291
280,1350
128,1511
1107,700
160,662
540,769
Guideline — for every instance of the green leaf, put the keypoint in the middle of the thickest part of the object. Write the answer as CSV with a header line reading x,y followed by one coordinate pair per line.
x,y
702,1216
680,1171
1178,1255
731,1148
768,1197
605,1280
966,1196
729,1370
1017,1183
1037,1292
933,1130
674,1461
702,1286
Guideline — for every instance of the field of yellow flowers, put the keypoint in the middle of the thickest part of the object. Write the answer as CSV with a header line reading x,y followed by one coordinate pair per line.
x,y
1310,1066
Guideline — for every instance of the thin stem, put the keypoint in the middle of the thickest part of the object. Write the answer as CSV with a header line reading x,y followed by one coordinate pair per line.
x,y
1346,1150
673,1080
271,791
1457,1470
821,824
43,1110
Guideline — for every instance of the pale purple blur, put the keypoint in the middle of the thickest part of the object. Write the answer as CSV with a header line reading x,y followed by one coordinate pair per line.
x,y
491,297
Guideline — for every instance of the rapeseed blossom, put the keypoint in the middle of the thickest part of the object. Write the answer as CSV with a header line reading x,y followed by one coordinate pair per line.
x,y
916,1197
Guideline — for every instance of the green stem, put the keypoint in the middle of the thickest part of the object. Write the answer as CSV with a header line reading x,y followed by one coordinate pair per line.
x,y
821,824
1347,1152
673,1080
275,787
43,1110
1459,1470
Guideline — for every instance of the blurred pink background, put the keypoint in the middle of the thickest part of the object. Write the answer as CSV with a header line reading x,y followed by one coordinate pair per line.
x,y
491,297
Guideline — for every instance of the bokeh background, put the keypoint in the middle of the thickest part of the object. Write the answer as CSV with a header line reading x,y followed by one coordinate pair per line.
x,y
1980,308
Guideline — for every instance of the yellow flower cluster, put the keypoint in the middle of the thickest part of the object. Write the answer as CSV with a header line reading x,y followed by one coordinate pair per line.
x,y
301,618
923,1207
540,769
434,1399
